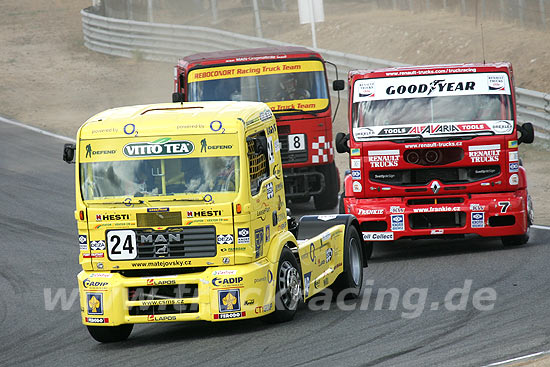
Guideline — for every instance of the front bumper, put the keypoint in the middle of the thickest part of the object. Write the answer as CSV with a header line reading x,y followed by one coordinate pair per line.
x,y
215,294
487,215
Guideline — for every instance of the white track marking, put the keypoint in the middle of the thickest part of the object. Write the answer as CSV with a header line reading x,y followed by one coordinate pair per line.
x,y
540,227
518,359
12,122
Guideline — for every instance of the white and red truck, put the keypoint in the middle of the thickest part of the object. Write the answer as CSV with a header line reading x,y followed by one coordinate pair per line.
x,y
434,153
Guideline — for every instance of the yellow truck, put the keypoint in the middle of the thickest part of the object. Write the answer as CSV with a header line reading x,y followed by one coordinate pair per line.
x,y
181,216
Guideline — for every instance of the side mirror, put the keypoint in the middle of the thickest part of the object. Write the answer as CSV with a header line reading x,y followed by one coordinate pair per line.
x,y
178,97
68,152
342,143
338,85
527,133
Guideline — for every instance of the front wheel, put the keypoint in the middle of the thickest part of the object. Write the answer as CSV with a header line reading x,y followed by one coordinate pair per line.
x,y
289,288
351,280
110,334
328,198
522,239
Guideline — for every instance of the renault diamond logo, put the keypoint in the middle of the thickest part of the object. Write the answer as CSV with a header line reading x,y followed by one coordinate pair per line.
x,y
435,186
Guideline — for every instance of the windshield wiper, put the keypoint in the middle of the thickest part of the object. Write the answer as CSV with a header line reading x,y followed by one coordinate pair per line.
x,y
177,199
295,110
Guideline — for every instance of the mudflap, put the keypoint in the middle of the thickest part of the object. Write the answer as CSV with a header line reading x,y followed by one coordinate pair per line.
x,y
310,226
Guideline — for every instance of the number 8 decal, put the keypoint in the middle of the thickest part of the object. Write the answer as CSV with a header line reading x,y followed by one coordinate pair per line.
x,y
121,245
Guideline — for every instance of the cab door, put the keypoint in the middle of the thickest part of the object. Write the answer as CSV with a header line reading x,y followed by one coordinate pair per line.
x,y
264,203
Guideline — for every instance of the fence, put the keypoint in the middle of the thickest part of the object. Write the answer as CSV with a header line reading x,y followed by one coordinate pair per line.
x,y
169,42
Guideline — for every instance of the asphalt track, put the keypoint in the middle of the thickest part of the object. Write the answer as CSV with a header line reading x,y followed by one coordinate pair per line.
x,y
39,256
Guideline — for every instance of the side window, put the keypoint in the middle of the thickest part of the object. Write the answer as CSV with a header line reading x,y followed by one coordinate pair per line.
x,y
257,161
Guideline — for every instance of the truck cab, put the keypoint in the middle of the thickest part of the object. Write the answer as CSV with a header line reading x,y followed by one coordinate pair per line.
x,y
434,153
292,81
181,216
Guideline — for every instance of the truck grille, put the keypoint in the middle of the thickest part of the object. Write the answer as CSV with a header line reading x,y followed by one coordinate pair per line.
x,y
176,242
166,296
445,175
162,219
291,156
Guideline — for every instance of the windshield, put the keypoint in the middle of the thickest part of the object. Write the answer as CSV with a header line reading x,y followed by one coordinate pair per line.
x,y
427,110
159,177
432,105
269,82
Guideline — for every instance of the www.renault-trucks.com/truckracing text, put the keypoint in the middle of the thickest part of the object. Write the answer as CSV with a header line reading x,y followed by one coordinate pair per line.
x,y
181,216
434,153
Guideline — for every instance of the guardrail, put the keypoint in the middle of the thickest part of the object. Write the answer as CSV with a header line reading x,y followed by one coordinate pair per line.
x,y
169,42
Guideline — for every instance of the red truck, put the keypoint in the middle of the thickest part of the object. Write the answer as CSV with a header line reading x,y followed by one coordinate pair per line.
x,y
293,83
434,153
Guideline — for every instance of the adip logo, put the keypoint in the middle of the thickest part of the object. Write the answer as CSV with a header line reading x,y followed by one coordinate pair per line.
x,y
229,300
397,222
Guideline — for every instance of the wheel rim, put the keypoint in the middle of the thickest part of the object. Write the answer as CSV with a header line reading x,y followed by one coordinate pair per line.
x,y
354,261
289,285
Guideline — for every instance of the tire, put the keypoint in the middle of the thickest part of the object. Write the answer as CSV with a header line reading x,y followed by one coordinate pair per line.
x,y
328,198
110,334
522,239
514,241
300,199
367,250
351,279
341,207
288,292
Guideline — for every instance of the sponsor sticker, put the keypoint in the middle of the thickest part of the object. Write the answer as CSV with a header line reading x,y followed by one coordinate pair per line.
x,y
97,320
477,207
326,217
328,253
361,211
478,219
356,175
397,209
513,156
227,282
307,280
377,236
82,239
355,152
484,153
243,236
437,231
157,210
355,163
269,189
513,144
514,179
357,187
397,222
513,167
259,242
383,158
94,301
232,315
159,147
224,272
229,300
97,245
224,239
